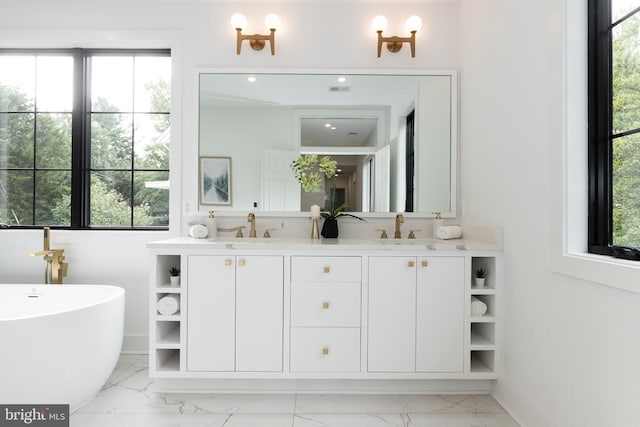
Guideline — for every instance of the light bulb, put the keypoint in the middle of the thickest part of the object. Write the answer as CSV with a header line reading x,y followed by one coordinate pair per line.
x,y
379,23
414,23
238,20
272,21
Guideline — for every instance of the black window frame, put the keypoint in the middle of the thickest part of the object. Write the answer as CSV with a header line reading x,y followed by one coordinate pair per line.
x,y
81,134
600,132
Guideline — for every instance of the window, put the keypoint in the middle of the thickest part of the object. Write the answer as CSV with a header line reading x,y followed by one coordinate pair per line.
x,y
614,128
84,138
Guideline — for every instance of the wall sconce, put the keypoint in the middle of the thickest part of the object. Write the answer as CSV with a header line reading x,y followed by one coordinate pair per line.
x,y
394,44
256,41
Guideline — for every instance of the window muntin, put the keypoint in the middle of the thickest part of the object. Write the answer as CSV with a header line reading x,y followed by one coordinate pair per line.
x,y
120,141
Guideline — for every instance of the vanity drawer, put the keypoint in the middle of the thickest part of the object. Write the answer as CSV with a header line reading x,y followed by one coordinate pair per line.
x,y
326,269
325,304
325,350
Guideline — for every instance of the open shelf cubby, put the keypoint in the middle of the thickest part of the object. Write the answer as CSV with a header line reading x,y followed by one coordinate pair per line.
x,y
483,361
488,264
168,334
163,264
483,336
168,360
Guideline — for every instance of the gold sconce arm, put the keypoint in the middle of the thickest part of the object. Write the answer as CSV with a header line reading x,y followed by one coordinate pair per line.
x,y
256,41
394,44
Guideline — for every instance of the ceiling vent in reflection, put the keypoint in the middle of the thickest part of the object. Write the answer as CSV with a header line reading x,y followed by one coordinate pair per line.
x,y
339,88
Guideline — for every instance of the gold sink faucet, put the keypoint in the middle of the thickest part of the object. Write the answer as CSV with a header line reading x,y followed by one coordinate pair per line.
x,y
399,220
56,268
252,219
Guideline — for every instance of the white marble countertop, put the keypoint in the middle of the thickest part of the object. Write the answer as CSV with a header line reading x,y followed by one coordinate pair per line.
x,y
281,243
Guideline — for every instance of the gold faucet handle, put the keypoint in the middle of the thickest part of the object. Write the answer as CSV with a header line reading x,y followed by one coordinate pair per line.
x,y
412,235
383,233
239,233
267,233
63,268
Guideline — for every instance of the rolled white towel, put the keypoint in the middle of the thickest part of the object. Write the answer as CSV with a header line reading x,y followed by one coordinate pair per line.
x,y
169,304
449,232
478,308
198,231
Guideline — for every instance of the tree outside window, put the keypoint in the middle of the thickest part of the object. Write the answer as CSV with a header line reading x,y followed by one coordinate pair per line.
x,y
120,153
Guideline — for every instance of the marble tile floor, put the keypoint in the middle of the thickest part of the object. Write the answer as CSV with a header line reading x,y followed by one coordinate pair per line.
x,y
125,401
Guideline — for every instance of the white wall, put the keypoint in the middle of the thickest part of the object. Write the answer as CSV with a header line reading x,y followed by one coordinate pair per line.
x,y
571,346
327,35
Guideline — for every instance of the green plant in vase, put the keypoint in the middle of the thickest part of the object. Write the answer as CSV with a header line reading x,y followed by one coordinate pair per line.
x,y
308,170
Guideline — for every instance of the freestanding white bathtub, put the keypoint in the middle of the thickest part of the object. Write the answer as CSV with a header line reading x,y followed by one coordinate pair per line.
x,y
59,343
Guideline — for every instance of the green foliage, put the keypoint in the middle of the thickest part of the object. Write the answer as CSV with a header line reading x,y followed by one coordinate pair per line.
x,y
309,170
626,150
111,191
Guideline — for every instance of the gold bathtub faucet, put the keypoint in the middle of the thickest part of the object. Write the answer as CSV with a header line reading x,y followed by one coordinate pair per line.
x,y
56,268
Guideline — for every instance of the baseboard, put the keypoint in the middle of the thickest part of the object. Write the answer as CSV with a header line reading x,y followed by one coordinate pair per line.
x,y
517,406
200,385
135,344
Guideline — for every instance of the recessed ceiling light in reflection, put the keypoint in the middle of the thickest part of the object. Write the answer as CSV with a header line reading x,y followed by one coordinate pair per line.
x,y
251,79
327,125
333,128
342,79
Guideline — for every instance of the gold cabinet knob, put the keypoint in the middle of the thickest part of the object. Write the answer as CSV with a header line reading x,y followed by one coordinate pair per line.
x,y
411,264
325,351
227,262
241,263
425,263
326,269
325,305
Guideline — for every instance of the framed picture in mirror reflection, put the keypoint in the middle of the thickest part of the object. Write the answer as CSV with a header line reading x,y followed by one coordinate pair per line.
x,y
215,181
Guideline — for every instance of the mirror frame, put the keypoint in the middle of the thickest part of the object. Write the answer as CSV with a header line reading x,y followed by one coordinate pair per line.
x,y
454,143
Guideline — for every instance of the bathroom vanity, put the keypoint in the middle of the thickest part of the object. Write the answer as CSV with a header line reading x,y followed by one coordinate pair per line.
x,y
331,315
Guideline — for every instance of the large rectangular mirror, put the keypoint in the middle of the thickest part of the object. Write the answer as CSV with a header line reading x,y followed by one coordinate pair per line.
x,y
393,135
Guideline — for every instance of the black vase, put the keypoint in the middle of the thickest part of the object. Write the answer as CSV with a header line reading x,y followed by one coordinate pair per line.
x,y
330,228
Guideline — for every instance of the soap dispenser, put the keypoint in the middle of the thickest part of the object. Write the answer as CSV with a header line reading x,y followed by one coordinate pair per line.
x,y
437,223
212,226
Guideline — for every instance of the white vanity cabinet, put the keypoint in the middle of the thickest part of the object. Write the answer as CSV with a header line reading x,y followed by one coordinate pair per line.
x,y
235,313
416,314
334,316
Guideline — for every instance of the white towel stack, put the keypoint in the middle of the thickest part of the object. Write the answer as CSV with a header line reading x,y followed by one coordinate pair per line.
x,y
478,308
449,232
169,304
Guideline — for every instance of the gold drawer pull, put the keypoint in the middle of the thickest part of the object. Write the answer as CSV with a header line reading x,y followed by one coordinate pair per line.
x,y
326,269
325,305
241,263
425,263
227,262
411,263
325,351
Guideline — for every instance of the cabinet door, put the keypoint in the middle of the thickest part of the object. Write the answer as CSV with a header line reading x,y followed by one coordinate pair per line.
x,y
440,314
392,314
259,313
211,313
